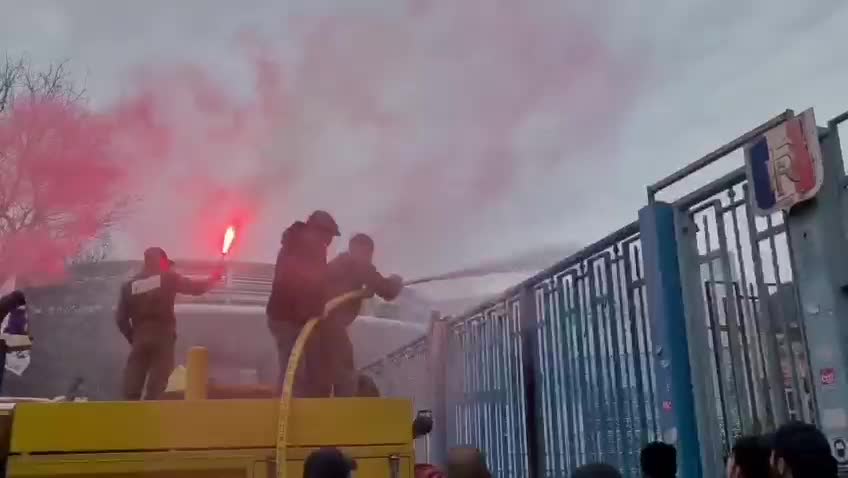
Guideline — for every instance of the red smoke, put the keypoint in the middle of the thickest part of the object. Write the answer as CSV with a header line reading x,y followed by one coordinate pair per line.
x,y
431,102
59,184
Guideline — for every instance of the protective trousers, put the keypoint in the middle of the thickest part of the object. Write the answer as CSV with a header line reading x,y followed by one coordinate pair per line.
x,y
285,335
334,367
151,362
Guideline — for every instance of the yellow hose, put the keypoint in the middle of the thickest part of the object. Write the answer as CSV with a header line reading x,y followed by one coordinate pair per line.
x,y
291,368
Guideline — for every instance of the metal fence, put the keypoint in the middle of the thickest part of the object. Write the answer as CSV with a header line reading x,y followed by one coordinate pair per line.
x,y
569,367
592,367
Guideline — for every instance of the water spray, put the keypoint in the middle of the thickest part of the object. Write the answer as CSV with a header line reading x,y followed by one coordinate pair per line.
x,y
464,274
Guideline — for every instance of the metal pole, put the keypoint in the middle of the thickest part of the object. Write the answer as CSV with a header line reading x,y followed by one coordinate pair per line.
x,y
817,246
532,387
717,154
664,241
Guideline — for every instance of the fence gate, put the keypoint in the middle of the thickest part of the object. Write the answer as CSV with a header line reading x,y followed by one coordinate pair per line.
x,y
748,349
699,322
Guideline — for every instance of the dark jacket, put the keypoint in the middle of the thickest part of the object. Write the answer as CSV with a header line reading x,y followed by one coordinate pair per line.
x,y
10,302
146,302
345,274
10,305
298,290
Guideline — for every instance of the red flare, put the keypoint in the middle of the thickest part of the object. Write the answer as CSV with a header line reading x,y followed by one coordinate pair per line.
x,y
229,239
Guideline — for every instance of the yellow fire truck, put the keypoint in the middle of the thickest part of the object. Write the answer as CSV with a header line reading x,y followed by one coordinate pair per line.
x,y
200,436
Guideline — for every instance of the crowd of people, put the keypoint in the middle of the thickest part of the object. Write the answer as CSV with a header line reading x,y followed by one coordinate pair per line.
x,y
795,450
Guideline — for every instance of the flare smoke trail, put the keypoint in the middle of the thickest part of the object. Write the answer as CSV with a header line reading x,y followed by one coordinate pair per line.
x,y
419,124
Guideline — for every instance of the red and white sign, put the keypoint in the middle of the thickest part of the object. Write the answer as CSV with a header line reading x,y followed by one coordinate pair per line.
x,y
828,376
784,165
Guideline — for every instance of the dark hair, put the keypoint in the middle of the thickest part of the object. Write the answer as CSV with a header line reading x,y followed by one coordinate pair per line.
x,y
328,463
363,240
658,460
751,454
366,387
596,470
17,298
805,450
467,462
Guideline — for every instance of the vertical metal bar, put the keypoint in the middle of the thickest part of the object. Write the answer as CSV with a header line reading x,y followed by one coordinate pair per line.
x,y
438,370
570,397
617,382
784,321
555,372
748,363
624,307
532,389
604,369
586,411
755,359
597,363
657,225
575,357
774,374
732,317
703,387
642,437
515,407
486,355
521,400
714,327
817,238
721,372
646,329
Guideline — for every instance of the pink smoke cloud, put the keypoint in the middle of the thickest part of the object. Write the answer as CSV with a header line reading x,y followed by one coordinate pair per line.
x,y
409,122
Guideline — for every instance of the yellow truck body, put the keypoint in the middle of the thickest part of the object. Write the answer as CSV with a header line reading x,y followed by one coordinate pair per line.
x,y
203,438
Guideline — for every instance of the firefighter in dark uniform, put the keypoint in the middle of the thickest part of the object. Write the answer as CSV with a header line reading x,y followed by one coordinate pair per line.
x,y
349,271
298,293
145,317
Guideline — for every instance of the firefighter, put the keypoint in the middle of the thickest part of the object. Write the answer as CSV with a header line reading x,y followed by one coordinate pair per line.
x,y
349,271
145,317
298,293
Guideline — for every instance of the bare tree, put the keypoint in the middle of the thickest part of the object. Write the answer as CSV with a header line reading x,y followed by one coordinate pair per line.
x,y
95,250
57,177
19,78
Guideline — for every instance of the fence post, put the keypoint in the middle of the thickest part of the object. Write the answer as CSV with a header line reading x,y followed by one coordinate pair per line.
x,y
674,395
438,350
817,243
532,386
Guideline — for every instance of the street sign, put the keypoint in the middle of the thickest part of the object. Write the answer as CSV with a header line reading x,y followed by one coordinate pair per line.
x,y
784,165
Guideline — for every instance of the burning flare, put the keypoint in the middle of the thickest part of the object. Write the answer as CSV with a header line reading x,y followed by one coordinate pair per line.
x,y
229,238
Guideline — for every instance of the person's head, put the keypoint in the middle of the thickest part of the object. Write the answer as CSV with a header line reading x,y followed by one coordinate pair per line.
x,y
749,458
321,227
365,387
361,248
328,463
156,260
596,470
799,450
658,460
467,462
17,299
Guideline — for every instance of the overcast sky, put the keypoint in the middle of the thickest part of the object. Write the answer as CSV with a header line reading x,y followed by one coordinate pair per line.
x,y
453,134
